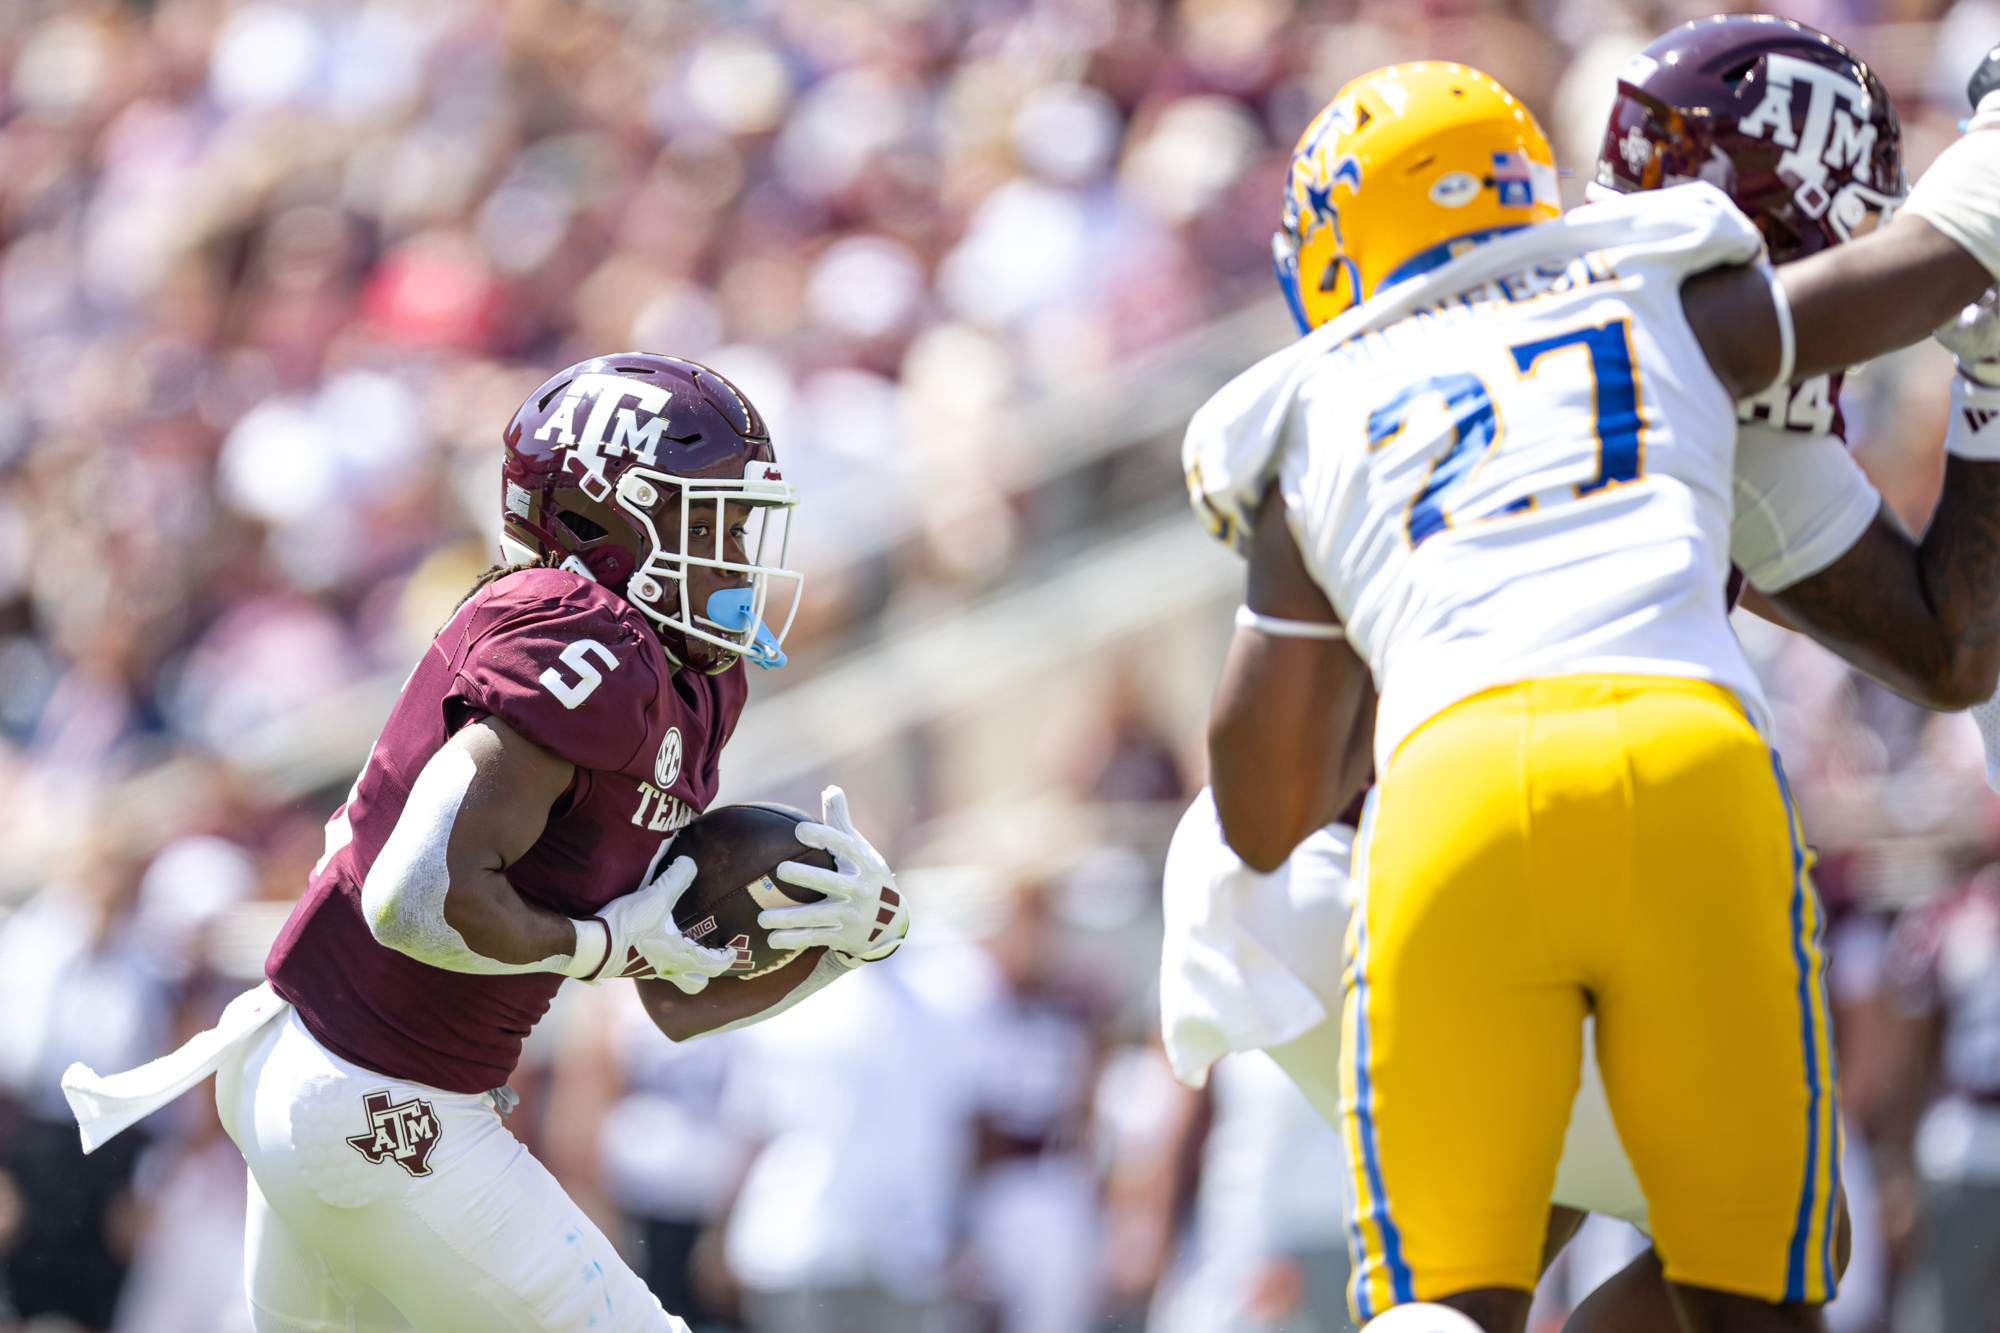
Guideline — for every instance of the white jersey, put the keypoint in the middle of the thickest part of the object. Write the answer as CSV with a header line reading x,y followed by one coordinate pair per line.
x,y
1517,466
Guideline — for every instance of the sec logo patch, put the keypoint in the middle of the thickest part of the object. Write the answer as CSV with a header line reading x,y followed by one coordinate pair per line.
x,y
667,765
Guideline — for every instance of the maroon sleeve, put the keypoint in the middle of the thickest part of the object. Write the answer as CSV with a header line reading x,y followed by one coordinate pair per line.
x,y
562,668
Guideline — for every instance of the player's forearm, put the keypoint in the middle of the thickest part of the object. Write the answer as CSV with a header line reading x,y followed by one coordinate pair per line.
x,y
1884,291
496,922
1288,712
1922,618
437,890
1960,560
681,1016
1289,741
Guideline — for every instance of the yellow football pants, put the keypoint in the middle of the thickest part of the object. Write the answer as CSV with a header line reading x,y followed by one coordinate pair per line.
x,y
1621,844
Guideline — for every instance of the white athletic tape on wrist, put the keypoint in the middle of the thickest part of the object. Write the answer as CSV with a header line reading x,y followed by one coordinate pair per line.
x,y
1960,194
1973,430
1279,628
593,949
402,899
1788,341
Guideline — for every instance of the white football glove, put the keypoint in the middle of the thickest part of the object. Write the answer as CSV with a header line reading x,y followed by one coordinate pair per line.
x,y
1974,338
645,942
863,918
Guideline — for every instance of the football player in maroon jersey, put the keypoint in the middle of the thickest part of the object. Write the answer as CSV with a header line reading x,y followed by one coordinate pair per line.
x,y
512,828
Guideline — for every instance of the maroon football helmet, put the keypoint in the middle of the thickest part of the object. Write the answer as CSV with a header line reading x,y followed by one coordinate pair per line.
x,y
610,461
1788,122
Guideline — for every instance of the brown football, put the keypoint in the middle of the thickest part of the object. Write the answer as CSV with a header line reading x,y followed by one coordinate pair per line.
x,y
736,851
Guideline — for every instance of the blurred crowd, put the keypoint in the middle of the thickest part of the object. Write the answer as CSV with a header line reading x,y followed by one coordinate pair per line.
x,y
273,275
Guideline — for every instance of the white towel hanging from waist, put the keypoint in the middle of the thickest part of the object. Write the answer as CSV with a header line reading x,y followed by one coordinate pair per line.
x,y
105,1105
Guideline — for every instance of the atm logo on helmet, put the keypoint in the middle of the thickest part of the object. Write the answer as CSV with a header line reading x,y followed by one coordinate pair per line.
x,y
1832,135
612,428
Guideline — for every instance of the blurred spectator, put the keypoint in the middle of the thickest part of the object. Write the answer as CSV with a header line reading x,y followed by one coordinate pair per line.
x,y
1267,1252
1127,756
862,1105
637,1135
1151,1130
1865,1029
191,1187
74,985
1945,965
1034,1230
187,887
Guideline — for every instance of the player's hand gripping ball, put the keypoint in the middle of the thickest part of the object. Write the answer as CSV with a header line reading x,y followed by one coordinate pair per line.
x,y
863,917
739,849
644,940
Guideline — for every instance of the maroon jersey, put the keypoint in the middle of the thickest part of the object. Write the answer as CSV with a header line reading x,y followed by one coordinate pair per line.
x,y
575,669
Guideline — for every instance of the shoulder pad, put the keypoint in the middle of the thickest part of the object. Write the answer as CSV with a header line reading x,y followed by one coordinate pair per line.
x,y
568,664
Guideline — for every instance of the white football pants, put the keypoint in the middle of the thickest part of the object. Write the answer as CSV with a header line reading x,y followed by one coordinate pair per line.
x,y
378,1206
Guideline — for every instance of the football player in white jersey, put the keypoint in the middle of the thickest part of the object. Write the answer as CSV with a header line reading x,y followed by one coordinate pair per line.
x,y
1807,521
1507,458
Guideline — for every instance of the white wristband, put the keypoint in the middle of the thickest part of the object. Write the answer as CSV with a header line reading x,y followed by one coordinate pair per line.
x,y
593,944
1973,430
1788,341
1279,628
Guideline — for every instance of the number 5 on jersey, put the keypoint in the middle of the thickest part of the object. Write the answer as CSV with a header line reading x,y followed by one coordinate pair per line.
x,y
1476,434
577,658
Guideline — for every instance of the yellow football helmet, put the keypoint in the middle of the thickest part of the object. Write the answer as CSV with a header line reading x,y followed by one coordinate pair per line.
x,y
1404,169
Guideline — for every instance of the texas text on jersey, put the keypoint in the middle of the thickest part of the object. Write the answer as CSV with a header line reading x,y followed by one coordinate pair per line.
x,y
576,669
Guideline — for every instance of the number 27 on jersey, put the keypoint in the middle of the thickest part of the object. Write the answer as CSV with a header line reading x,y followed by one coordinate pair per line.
x,y
1477,435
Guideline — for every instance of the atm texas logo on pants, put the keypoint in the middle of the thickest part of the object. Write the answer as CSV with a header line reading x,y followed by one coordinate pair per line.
x,y
404,1132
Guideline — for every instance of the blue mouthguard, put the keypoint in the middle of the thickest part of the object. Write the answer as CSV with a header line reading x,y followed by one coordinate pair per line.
x,y
730,609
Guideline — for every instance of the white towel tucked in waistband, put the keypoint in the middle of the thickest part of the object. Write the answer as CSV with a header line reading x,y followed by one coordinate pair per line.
x,y
1248,960
107,1105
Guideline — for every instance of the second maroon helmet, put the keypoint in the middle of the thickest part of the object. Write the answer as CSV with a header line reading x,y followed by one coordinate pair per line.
x,y
1788,122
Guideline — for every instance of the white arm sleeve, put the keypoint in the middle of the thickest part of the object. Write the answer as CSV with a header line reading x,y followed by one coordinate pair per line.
x,y
402,898
828,970
1801,503
1960,193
